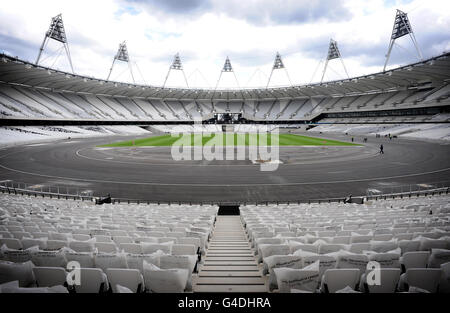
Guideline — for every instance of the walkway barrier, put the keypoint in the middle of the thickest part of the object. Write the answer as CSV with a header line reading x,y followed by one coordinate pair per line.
x,y
75,193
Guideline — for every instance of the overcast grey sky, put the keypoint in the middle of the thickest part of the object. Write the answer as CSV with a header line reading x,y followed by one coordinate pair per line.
x,y
205,32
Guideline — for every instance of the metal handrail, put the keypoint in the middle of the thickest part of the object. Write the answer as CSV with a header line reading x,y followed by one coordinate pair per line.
x,y
11,187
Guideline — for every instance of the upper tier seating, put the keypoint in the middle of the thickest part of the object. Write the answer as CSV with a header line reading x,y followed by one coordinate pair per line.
x,y
20,101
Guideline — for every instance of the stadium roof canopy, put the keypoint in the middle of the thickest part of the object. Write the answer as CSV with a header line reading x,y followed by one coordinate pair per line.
x,y
423,74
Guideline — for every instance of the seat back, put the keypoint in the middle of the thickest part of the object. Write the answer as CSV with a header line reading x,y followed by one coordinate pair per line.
x,y
82,246
352,261
56,244
50,276
81,237
325,262
337,279
328,248
106,247
167,239
5,234
359,247
341,240
428,244
304,247
92,280
29,242
20,234
190,240
11,243
130,278
122,239
102,238
402,236
438,257
409,245
118,232
382,237
424,278
156,234
175,234
360,238
417,259
389,278
130,248
184,249
444,284
81,232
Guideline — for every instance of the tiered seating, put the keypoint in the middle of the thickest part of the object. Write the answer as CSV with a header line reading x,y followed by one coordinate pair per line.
x,y
401,126
140,247
25,134
331,247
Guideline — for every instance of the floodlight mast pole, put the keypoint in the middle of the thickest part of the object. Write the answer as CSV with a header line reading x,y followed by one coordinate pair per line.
x,y
333,53
402,27
324,70
122,55
111,69
56,32
41,49
277,65
176,65
388,55
226,68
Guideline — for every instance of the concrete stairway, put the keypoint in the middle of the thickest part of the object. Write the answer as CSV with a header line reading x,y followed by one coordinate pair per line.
x,y
229,264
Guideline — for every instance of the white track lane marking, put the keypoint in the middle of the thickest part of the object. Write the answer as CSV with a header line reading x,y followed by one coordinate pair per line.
x,y
226,185
78,153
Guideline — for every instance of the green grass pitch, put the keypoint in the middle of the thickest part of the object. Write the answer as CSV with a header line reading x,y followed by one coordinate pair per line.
x,y
230,140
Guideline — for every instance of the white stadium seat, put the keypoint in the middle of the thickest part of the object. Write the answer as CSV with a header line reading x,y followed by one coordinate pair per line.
x,y
50,276
417,259
129,278
130,248
11,243
337,279
106,247
444,284
115,240
184,249
389,278
92,280
423,278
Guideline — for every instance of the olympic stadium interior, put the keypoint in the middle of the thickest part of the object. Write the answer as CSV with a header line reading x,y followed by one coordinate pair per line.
x,y
138,221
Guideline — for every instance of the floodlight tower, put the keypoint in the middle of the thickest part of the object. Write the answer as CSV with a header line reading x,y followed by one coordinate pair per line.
x,y
402,27
122,55
333,53
176,65
227,68
56,32
278,65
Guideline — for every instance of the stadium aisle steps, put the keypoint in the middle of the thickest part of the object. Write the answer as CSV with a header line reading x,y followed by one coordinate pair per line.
x,y
229,264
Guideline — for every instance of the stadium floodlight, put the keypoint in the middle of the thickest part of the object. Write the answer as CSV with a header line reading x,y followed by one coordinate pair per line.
x,y
227,68
56,32
402,27
333,53
122,55
278,65
176,65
